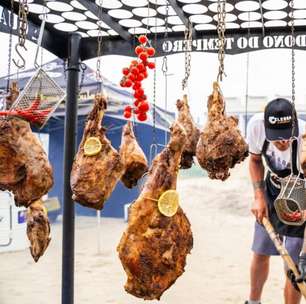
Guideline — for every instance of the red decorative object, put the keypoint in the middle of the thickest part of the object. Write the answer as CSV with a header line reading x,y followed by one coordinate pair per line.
x,y
134,75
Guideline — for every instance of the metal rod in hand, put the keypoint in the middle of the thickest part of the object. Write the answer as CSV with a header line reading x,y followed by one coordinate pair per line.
x,y
284,253
69,152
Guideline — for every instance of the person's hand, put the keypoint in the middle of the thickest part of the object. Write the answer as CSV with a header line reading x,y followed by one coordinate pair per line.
x,y
302,268
259,208
292,279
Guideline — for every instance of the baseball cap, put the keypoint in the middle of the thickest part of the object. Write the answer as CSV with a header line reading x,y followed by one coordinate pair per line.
x,y
278,119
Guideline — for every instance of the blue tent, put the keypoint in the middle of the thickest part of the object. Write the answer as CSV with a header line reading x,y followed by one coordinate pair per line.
x,y
113,121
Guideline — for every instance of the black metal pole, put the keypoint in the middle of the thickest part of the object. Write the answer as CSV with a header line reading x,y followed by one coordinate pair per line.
x,y
69,152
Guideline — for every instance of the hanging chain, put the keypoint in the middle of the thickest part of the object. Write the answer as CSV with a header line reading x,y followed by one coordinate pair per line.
x,y
23,22
10,47
293,69
99,43
221,37
188,47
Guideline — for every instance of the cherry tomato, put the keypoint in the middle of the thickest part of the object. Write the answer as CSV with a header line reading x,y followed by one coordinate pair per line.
x,y
132,77
142,116
134,71
134,62
127,114
142,39
136,95
136,85
151,65
143,56
128,109
141,67
145,74
138,49
122,83
140,92
125,71
143,106
140,77
136,111
136,102
151,51
128,83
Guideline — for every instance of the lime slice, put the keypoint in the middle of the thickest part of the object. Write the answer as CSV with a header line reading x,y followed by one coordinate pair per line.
x,y
92,146
168,203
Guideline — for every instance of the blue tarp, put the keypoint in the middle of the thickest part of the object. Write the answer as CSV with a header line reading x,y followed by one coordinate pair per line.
x,y
113,121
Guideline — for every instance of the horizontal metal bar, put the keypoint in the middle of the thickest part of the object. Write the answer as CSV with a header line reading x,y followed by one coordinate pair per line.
x,y
236,43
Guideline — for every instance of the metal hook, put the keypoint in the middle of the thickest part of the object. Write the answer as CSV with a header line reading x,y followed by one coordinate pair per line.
x,y
21,57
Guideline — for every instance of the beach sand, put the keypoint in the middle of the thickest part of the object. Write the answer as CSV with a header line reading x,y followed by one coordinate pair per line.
x,y
217,269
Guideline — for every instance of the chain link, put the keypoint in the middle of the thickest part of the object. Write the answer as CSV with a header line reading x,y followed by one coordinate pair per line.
x,y
99,43
221,37
188,47
22,22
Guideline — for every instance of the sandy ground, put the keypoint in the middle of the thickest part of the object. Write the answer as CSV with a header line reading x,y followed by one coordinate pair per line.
x,y
217,270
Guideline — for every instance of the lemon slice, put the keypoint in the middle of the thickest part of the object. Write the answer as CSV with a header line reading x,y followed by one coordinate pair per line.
x,y
168,203
92,146
45,210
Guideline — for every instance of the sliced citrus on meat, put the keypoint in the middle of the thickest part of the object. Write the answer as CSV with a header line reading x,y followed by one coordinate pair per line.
x,y
168,203
92,146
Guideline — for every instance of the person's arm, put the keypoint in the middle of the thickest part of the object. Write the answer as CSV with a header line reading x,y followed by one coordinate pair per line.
x,y
256,169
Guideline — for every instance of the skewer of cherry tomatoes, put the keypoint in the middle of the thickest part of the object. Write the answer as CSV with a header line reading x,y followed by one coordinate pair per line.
x,y
134,75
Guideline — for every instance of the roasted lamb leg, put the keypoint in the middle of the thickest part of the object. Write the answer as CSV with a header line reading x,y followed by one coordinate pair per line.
x,y
38,229
24,166
193,133
154,247
221,144
132,156
94,177
303,154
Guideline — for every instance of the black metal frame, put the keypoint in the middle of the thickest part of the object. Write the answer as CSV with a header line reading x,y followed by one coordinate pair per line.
x,y
74,48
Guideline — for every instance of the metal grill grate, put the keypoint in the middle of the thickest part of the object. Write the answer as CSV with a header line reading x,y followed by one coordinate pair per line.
x,y
39,99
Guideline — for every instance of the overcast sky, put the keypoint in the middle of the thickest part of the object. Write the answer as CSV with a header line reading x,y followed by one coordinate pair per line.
x,y
269,74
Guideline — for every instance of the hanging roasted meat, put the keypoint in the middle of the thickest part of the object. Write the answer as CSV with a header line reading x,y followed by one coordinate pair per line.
x,y
132,156
38,229
193,133
221,144
13,95
24,166
97,166
154,247
303,154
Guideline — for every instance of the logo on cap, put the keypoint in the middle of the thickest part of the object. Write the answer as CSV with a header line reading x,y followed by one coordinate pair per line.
x,y
279,120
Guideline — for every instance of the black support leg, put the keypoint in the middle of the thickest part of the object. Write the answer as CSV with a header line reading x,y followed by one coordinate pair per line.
x,y
69,152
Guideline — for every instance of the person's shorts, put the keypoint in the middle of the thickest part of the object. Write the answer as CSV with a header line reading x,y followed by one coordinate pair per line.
x,y
263,245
